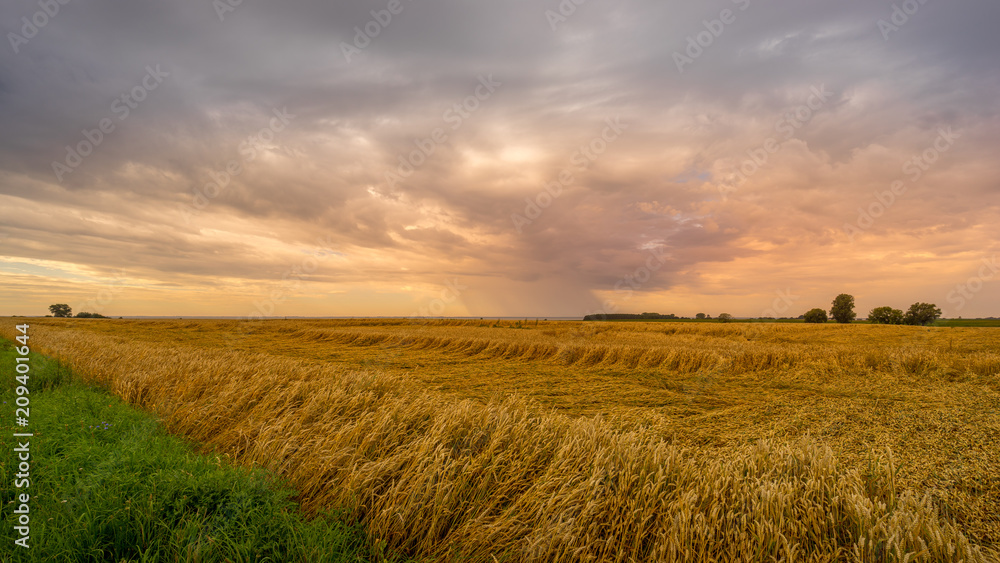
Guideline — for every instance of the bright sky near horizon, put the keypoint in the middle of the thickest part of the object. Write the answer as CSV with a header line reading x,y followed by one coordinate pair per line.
x,y
519,158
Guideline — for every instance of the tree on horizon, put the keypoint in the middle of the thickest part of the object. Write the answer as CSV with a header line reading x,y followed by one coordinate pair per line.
x,y
843,308
921,314
816,315
885,316
61,310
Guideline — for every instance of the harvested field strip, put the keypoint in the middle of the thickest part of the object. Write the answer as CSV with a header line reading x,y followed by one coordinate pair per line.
x,y
447,480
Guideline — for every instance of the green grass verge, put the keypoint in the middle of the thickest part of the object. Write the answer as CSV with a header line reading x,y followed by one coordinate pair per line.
x,y
108,484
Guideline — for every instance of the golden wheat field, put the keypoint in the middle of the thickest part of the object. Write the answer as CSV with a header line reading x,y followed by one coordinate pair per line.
x,y
571,441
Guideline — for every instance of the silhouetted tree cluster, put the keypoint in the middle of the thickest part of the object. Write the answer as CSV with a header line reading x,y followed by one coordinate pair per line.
x,y
65,311
921,314
657,316
842,310
61,310
918,314
815,316
885,316
86,315
628,316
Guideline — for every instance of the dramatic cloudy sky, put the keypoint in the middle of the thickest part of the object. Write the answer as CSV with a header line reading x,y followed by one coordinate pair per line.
x,y
319,107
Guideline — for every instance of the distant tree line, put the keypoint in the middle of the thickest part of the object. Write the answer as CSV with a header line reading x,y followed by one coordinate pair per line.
x,y
842,311
61,310
724,317
629,316
918,314
65,311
